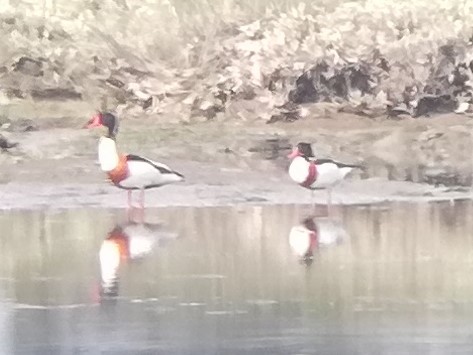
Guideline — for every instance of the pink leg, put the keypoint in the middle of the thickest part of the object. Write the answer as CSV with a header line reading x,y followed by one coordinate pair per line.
x,y
129,199
312,201
142,204
130,209
142,198
329,202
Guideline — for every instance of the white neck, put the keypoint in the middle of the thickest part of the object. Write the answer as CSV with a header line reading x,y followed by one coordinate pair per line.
x,y
108,156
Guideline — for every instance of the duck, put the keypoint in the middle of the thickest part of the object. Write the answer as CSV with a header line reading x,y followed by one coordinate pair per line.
x,y
129,171
303,240
313,233
315,174
128,243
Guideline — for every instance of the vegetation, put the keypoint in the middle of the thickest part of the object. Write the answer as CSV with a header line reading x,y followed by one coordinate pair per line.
x,y
244,59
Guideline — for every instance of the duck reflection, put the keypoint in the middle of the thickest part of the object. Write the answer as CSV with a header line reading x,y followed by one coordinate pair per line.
x,y
128,243
312,233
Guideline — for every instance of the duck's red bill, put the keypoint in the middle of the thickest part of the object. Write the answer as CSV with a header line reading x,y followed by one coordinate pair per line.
x,y
95,121
294,153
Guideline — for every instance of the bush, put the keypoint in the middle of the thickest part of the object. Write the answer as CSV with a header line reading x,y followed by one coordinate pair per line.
x,y
203,57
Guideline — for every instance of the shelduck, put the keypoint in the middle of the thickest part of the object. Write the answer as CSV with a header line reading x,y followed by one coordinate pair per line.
x,y
125,244
128,171
314,233
313,173
303,240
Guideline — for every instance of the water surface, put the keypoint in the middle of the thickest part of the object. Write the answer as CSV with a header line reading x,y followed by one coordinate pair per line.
x,y
386,279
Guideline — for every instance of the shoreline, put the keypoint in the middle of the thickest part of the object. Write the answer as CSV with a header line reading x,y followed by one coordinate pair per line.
x,y
29,196
228,163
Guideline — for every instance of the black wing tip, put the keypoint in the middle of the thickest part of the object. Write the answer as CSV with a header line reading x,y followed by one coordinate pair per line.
x,y
361,167
355,166
135,157
177,174
339,164
161,169
352,166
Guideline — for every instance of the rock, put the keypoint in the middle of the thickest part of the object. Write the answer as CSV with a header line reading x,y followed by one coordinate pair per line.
x,y
305,90
115,82
325,81
5,144
442,176
271,148
21,125
429,135
288,112
55,94
434,104
396,111
29,66
462,107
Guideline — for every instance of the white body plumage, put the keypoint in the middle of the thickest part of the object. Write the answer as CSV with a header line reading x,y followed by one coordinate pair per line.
x,y
328,173
141,173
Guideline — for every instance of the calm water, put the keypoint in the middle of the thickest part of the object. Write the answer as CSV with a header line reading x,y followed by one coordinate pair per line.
x,y
396,279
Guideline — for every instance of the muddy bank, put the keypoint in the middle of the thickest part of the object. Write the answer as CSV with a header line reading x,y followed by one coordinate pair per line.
x,y
55,162
59,196
211,185
426,150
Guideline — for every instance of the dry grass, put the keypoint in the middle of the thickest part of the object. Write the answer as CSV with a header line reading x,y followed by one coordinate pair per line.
x,y
215,59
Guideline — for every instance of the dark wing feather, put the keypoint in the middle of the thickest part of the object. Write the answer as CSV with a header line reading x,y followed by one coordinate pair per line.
x,y
162,169
340,165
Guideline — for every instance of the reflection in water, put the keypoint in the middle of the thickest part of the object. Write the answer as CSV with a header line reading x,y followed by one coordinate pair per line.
x,y
401,283
127,243
312,233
